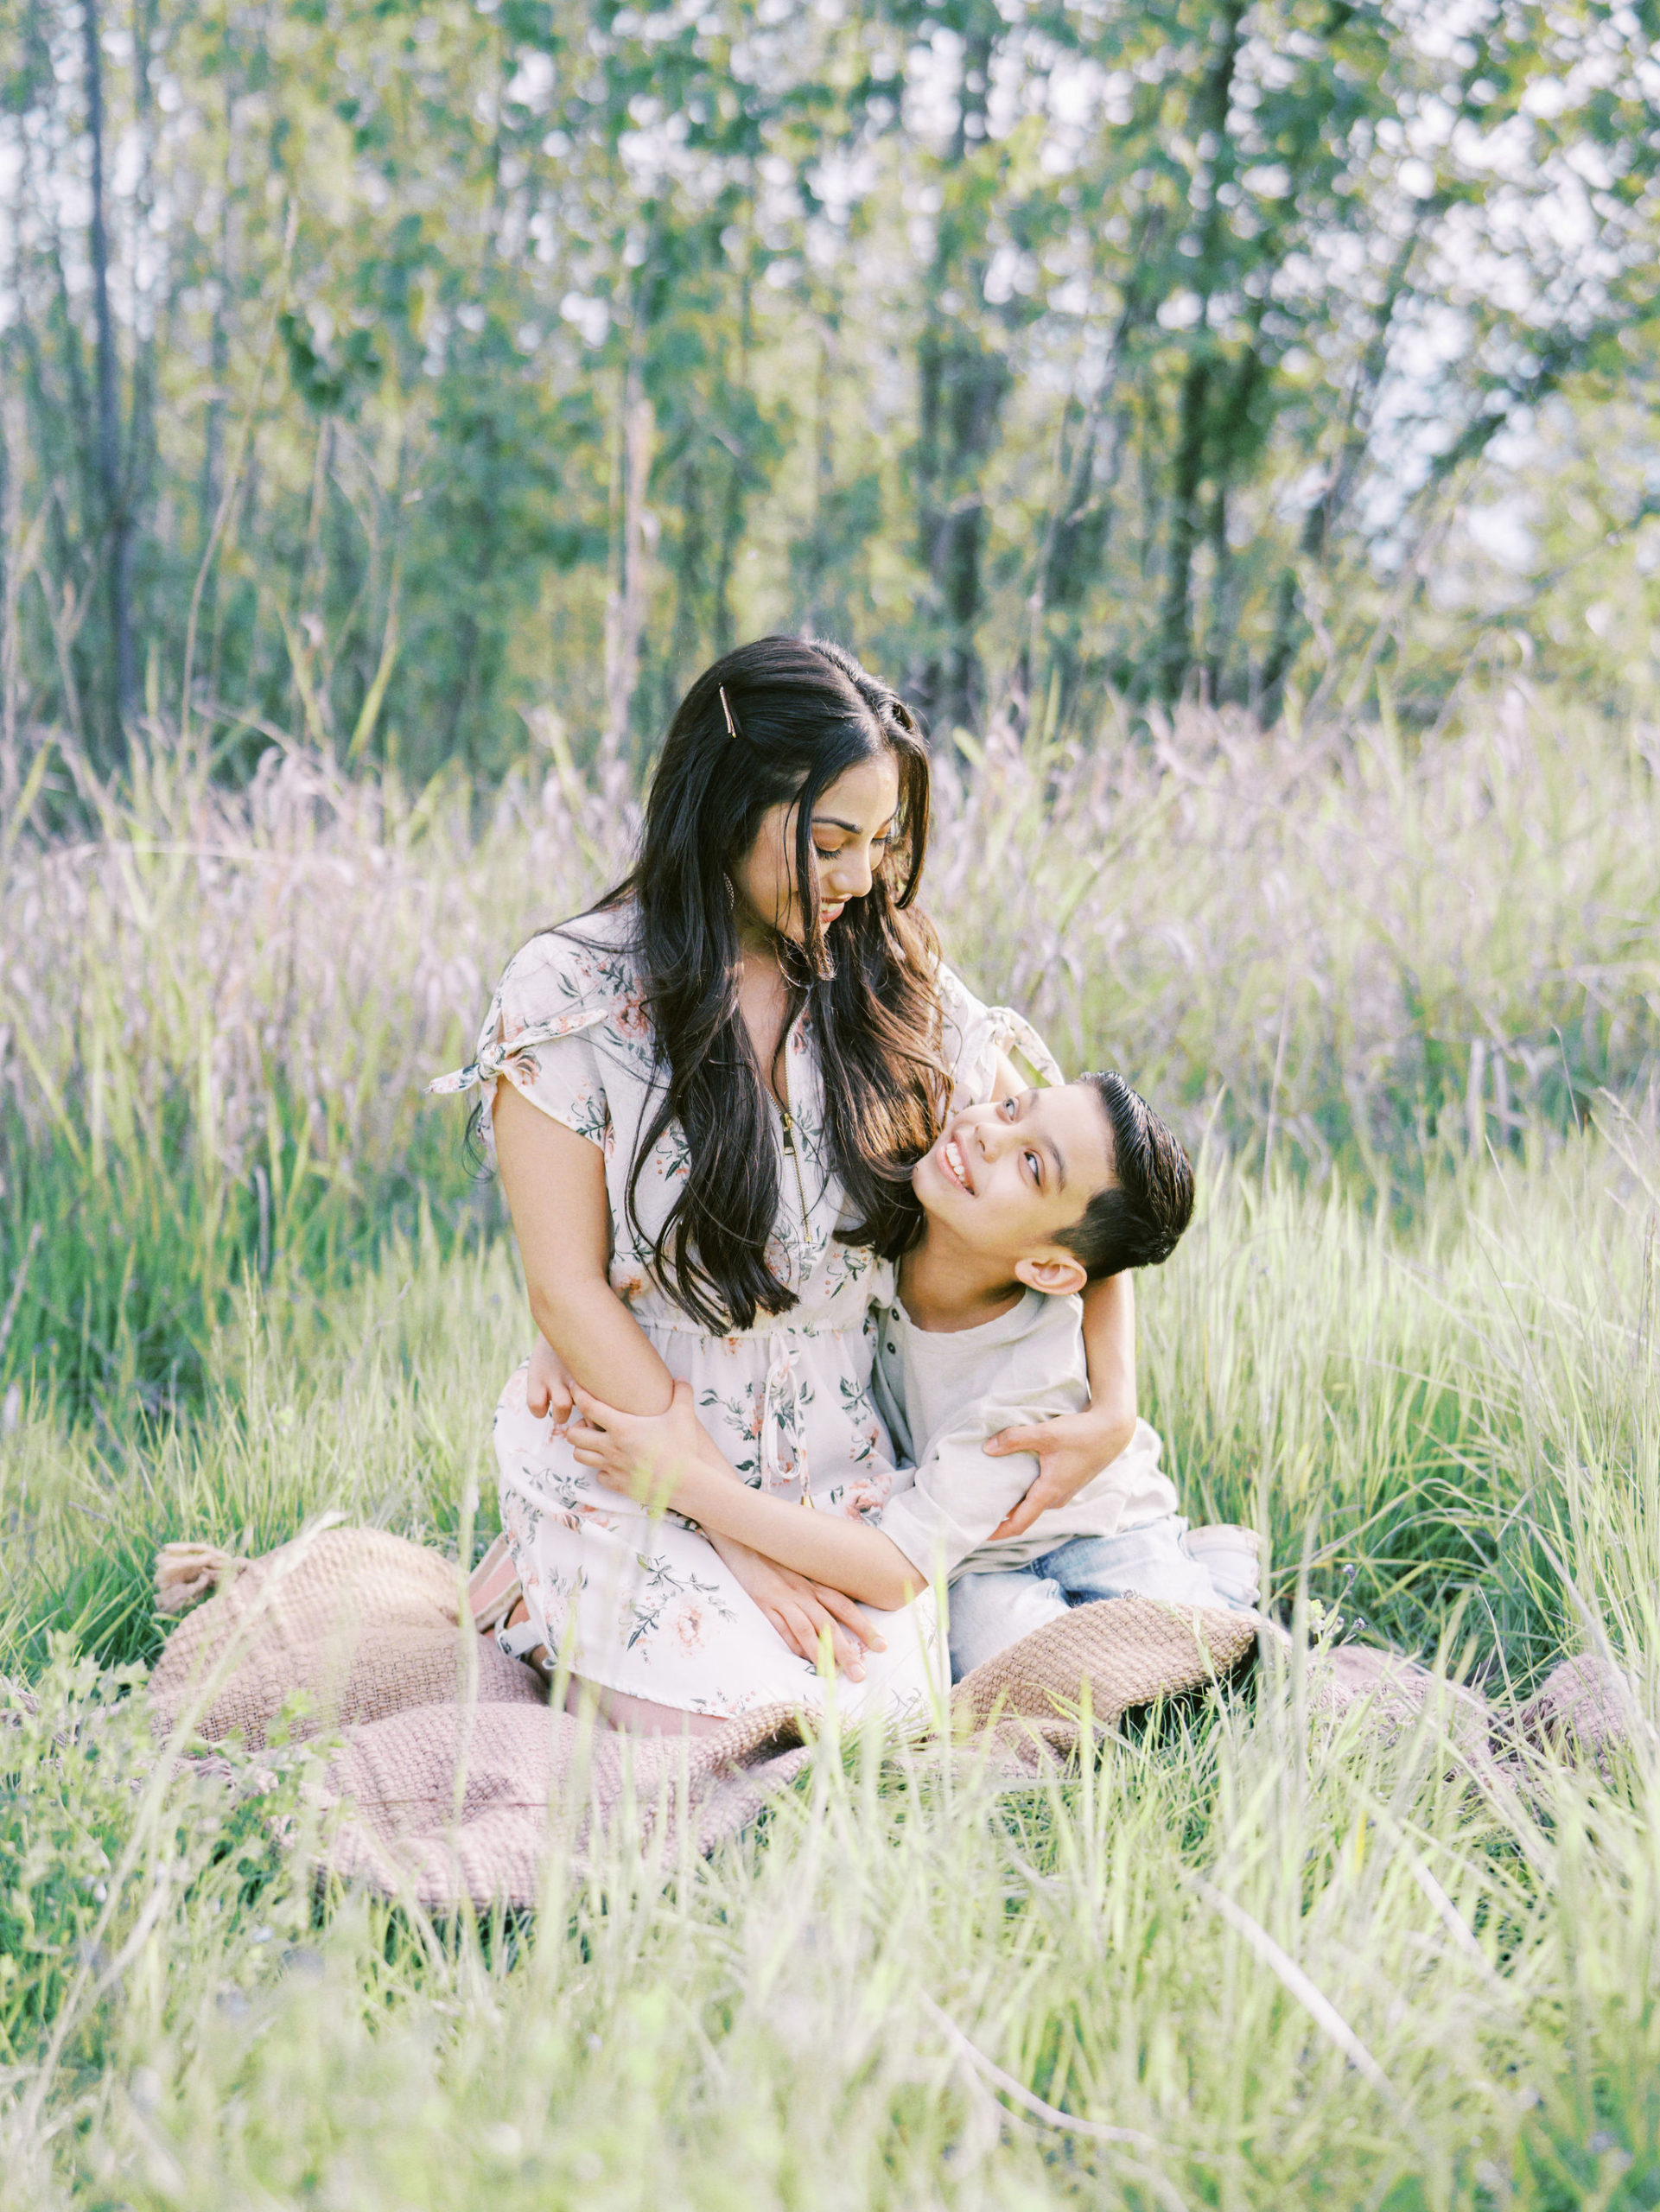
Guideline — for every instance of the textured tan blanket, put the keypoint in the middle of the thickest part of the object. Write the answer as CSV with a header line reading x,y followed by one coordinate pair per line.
x,y
454,1777
1104,1660
454,1780
362,1623
1586,1709
531,1781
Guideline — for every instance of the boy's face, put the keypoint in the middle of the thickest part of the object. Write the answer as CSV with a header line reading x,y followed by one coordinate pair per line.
x,y
1007,1177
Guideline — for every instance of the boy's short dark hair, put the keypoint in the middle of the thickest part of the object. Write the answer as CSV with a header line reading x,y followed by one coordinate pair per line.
x,y
1137,1221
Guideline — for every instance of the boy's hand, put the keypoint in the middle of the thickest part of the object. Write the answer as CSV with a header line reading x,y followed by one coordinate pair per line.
x,y
655,1459
1071,1450
547,1387
801,1610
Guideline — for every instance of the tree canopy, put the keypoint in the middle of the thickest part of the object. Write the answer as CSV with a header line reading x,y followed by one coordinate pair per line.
x,y
398,373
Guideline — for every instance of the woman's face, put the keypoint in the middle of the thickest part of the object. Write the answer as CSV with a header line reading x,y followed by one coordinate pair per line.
x,y
852,824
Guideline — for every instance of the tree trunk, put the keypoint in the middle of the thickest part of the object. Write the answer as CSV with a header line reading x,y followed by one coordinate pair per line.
x,y
220,341
142,453
962,386
692,590
1193,441
625,606
735,507
1176,622
1323,517
815,560
1289,627
11,585
117,524
1219,619
1077,546
733,514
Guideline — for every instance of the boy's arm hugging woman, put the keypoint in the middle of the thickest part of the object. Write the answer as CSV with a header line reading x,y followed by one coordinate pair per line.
x,y
717,1082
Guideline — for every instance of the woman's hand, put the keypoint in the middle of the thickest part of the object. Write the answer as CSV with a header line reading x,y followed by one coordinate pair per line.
x,y
801,1611
658,1459
547,1388
670,1459
1071,1450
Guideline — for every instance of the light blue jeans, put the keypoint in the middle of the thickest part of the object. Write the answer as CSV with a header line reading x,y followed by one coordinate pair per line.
x,y
990,1611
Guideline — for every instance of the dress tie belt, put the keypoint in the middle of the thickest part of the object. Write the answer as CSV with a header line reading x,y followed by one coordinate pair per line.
x,y
783,1460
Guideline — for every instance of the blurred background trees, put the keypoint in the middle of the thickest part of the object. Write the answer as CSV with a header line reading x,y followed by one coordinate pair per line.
x,y
413,376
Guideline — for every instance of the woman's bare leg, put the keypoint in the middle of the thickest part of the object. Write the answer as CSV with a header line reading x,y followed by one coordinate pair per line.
x,y
638,1716
628,1716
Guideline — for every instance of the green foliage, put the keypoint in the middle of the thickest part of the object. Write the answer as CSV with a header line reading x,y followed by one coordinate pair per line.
x,y
471,362
480,371
1342,952
1410,1338
811,2016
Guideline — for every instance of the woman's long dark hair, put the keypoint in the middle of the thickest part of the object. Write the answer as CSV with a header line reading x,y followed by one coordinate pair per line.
x,y
802,713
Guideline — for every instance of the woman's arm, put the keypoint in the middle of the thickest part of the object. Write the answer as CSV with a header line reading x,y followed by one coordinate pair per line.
x,y
671,1460
1109,1350
801,1610
1072,1449
555,1182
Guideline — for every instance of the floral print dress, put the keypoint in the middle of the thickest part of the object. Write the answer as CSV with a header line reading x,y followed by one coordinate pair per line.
x,y
640,1602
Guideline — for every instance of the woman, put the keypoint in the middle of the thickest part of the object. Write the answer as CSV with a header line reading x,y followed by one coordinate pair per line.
x,y
716,1080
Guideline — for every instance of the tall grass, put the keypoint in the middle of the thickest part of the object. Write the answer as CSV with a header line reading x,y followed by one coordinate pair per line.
x,y
1191,1942
217,1012
1364,951
1187,1945
1411,1337
1338,950
1460,1417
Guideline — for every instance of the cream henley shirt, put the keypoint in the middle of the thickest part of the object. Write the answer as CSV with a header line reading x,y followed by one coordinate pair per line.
x,y
943,1392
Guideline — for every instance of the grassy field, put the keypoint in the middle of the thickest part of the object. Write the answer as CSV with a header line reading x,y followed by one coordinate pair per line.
x,y
1407,1002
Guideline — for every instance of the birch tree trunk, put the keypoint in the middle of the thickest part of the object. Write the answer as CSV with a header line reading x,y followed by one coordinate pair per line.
x,y
11,584
625,612
1194,430
962,383
118,522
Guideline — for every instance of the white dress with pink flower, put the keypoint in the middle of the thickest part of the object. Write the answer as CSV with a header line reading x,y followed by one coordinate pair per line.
x,y
644,1604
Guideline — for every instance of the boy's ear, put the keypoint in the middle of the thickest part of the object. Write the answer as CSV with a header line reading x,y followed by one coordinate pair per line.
x,y
1057,1277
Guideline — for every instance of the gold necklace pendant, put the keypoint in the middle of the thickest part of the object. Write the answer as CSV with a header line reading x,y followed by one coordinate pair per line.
x,y
800,1187
806,1233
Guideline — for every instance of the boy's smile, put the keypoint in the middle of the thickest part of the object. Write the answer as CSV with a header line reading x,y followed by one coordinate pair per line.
x,y
952,1160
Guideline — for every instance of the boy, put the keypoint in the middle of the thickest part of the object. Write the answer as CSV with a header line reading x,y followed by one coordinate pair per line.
x,y
957,1361
1025,1200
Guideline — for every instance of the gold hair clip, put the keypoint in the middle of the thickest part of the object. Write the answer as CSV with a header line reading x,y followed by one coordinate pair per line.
x,y
731,726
